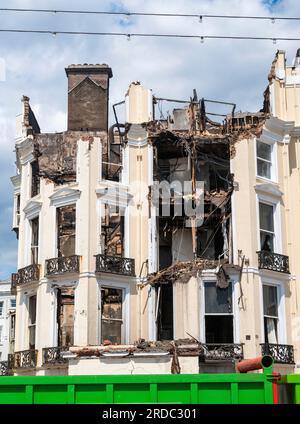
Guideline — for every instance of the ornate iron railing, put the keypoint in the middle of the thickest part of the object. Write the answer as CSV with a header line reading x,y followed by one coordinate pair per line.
x,y
14,283
221,351
4,368
281,354
28,274
62,264
273,261
115,265
23,359
52,355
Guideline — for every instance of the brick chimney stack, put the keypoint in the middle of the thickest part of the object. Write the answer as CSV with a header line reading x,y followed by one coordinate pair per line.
x,y
88,94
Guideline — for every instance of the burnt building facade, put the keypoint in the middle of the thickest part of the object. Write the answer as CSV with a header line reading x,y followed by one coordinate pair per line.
x,y
160,241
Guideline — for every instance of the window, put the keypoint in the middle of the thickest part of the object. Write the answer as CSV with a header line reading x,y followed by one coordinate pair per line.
x,y
12,303
112,315
32,321
35,179
218,314
1,333
270,298
264,159
266,225
66,230
1,308
34,240
18,202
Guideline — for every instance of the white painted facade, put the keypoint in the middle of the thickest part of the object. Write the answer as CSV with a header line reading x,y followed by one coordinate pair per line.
x,y
7,309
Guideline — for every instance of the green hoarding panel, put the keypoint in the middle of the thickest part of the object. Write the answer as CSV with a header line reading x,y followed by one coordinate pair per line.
x,y
175,389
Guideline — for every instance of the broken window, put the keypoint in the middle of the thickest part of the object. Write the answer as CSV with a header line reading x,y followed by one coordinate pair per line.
x,y
32,321
264,159
34,240
164,316
218,314
35,179
112,236
66,226
266,222
65,316
270,297
112,315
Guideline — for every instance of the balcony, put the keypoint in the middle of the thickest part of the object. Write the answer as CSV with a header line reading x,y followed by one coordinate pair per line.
x,y
62,265
52,355
26,275
115,265
273,261
281,354
221,352
23,359
4,370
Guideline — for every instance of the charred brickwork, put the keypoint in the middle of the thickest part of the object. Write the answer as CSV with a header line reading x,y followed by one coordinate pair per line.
x,y
88,88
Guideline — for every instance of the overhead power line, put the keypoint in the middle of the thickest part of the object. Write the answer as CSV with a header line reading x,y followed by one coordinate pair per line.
x,y
166,15
129,35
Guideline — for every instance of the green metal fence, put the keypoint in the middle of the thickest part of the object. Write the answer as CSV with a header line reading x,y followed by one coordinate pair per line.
x,y
255,388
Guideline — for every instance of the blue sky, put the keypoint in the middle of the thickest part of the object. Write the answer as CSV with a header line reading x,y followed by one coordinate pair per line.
x,y
223,70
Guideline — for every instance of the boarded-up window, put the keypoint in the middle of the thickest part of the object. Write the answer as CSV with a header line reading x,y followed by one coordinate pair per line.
x,y
111,315
65,316
32,320
66,224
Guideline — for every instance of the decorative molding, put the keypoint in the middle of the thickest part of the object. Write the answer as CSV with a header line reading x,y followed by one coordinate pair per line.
x,y
137,136
276,128
32,209
64,196
25,150
268,188
16,181
114,193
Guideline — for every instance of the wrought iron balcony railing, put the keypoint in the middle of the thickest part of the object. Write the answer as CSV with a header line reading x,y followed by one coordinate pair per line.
x,y
52,355
23,359
221,351
4,369
281,354
62,264
273,261
115,265
27,275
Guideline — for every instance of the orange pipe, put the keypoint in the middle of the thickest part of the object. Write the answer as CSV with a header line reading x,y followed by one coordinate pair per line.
x,y
254,364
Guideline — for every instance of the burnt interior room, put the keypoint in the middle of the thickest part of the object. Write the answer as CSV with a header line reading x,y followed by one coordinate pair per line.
x,y
173,162
112,235
66,223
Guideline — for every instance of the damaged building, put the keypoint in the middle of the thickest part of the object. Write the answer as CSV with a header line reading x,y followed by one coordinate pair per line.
x,y
162,243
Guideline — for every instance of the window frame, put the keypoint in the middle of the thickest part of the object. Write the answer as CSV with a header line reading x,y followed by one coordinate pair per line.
x,y
124,286
1,308
273,161
209,276
281,330
269,200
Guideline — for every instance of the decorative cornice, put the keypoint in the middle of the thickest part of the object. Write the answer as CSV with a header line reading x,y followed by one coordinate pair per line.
x,y
114,193
64,196
16,181
278,127
268,188
32,209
